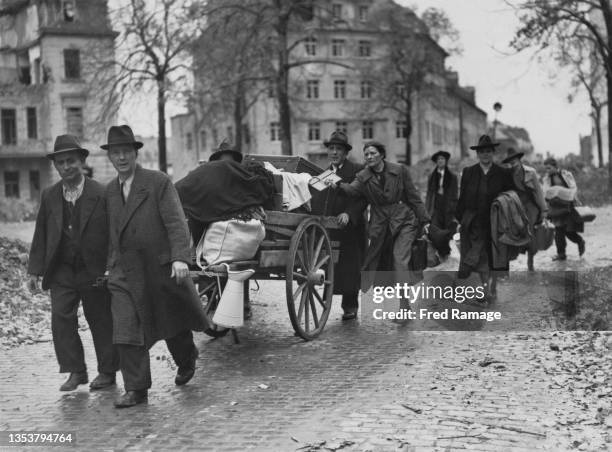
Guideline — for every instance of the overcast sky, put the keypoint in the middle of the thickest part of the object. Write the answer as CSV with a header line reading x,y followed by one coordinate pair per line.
x,y
530,98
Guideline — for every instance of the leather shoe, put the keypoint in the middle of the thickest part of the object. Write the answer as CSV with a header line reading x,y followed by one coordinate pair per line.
x,y
349,315
559,257
184,374
75,379
131,398
103,380
581,247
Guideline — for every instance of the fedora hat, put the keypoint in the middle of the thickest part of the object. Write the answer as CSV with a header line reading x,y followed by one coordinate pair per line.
x,y
512,154
338,137
226,148
67,143
444,154
121,135
484,142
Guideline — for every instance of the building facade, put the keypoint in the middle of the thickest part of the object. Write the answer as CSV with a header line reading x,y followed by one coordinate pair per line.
x,y
46,47
327,97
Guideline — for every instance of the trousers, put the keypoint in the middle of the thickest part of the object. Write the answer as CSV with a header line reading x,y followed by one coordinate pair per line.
x,y
135,361
69,286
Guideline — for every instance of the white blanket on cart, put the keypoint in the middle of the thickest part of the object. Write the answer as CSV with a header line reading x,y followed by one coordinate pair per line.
x,y
295,187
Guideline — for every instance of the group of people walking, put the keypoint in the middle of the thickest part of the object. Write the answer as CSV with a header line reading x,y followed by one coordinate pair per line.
x,y
124,249
397,215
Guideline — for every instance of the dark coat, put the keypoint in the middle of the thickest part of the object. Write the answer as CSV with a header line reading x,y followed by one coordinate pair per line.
x,y
352,237
474,211
93,237
146,236
394,207
450,186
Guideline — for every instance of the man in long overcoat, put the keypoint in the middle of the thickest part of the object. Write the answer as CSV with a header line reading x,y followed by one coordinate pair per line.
x,y
529,190
441,202
349,212
480,185
69,251
153,297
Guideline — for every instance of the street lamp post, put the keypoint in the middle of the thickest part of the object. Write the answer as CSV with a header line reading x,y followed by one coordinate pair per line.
x,y
497,107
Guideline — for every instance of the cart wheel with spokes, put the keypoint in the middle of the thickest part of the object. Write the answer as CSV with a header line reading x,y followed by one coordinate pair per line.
x,y
309,279
210,294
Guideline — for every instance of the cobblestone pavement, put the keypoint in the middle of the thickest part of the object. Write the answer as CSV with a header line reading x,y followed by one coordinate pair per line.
x,y
360,386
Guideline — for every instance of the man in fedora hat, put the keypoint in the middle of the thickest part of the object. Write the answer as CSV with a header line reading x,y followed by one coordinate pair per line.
x,y
480,185
226,151
153,296
529,190
440,202
69,251
349,212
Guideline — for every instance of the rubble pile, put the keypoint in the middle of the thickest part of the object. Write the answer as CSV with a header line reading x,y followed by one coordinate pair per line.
x,y
25,317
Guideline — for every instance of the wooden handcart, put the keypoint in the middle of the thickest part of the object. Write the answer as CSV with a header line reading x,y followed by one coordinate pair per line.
x,y
297,249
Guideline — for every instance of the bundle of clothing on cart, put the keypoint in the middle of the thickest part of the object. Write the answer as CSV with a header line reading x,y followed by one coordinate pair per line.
x,y
225,202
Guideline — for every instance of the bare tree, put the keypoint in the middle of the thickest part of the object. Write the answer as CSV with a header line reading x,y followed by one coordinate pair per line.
x,y
552,24
587,75
285,25
413,64
152,54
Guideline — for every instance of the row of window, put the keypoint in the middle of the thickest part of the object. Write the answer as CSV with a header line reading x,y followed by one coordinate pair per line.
x,y
338,11
440,135
8,124
189,144
314,130
11,184
338,47
313,91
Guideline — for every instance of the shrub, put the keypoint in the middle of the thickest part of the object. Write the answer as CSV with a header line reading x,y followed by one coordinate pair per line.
x,y
14,209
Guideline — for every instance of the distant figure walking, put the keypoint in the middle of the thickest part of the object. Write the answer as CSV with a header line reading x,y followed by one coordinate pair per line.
x,y
560,191
529,190
441,202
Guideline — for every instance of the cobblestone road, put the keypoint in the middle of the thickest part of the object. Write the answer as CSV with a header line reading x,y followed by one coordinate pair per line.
x,y
379,386
361,386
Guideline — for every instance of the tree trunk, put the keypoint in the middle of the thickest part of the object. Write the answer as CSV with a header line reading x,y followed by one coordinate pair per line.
x,y
597,119
408,116
161,125
609,87
282,85
238,104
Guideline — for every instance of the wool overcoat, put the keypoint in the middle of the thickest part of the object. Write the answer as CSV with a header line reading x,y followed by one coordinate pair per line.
x,y
93,234
474,213
147,234
352,237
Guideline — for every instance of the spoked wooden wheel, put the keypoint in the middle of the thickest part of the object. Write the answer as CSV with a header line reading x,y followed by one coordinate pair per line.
x,y
309,279
210,294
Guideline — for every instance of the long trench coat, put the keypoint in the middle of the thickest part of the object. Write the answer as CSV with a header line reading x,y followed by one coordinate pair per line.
x,y
352,237
396,216
147,234
443,224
